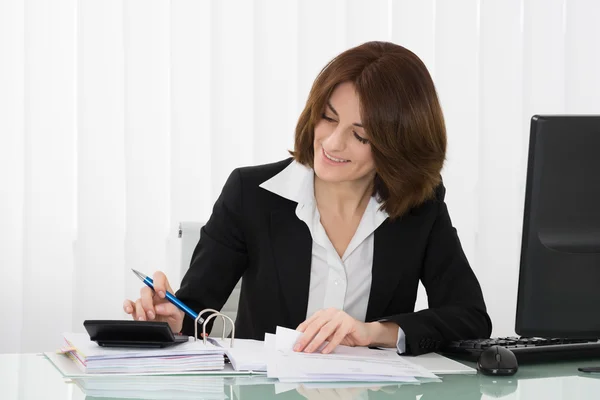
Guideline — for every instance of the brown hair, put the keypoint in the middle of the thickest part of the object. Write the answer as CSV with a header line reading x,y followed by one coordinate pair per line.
x,y
400,112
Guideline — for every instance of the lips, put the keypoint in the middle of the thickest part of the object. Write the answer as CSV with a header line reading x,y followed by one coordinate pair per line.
x,y
334,159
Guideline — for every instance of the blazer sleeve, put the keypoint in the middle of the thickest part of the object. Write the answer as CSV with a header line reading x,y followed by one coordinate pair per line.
x,y
456,306
220,257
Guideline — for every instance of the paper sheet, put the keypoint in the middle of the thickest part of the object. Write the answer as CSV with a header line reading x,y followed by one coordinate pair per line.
x,y
70,370
343,364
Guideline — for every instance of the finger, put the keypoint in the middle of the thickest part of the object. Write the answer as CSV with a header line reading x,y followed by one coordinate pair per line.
x,y
315,326
327,330
168,310
140,314
311,330
128,306
161,284
147,300
337,337
302,327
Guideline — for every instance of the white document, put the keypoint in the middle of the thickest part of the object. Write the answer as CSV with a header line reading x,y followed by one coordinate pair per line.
x,y
70,370
91,350
441,365
297,368
189,356
194,357
270,341
344,363
245,355
347,385
438,364
165,387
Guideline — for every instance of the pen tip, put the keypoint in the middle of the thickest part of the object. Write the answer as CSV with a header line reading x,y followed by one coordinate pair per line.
x,y
139,274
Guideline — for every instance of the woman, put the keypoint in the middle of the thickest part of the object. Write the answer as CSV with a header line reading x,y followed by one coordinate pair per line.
x,y
334,241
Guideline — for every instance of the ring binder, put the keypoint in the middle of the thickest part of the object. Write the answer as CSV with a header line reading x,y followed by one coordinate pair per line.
x,y
214,314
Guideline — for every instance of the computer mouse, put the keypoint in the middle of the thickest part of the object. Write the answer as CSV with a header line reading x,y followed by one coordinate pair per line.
x,y
497,360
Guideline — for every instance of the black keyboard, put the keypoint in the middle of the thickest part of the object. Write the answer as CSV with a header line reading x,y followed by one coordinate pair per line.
x,y
528,349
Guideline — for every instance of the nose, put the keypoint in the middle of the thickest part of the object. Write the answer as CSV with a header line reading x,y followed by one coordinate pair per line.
x,y
336,141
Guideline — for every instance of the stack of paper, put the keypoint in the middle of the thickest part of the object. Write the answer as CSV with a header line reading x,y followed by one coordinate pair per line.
x,y
343,364
245,355
273,356
190,356
153,387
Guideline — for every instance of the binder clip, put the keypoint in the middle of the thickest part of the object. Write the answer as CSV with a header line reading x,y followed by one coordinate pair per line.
x,y
214,314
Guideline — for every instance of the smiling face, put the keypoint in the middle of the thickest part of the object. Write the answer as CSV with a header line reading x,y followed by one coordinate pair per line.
x,y
341,146
406,135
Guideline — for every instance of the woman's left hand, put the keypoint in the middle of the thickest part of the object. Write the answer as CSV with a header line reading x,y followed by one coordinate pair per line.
x,y
334,326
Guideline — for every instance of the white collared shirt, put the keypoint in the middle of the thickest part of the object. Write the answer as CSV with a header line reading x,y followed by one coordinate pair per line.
x,y
339,282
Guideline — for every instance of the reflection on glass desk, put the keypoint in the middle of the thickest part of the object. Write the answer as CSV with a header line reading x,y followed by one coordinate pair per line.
x,y
30,376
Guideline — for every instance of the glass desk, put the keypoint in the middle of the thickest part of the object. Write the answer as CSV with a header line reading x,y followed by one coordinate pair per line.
x,y
31,376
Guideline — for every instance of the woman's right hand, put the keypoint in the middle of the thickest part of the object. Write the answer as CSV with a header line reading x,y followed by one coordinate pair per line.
x,y
154,306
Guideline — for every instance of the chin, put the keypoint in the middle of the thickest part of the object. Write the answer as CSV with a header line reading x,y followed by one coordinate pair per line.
x,y
331,178
330,174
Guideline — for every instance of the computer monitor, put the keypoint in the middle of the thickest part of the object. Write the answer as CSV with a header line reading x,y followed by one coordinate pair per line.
x,y
559,278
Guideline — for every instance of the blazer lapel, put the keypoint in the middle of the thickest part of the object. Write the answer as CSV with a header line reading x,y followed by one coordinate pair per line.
x,y
390,256
292,251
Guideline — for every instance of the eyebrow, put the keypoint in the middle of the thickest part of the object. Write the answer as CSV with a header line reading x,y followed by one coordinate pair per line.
x,y
337,115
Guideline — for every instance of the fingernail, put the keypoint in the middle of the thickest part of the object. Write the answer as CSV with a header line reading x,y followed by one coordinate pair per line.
x,y
150,315
159,309
128,309
161,293
140,318
297,347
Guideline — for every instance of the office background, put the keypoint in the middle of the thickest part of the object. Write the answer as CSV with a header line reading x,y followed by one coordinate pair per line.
x,y
118,119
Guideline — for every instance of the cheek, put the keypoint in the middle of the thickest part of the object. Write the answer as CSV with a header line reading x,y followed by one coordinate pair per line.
x,y
320,132
365,155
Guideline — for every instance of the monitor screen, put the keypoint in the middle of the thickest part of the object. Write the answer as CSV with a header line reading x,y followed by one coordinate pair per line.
x,y
559,278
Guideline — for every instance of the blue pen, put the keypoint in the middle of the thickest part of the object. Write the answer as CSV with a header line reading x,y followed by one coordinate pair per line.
x,y
148,281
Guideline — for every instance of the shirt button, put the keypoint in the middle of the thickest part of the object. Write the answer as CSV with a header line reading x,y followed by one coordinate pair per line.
x,y
336,282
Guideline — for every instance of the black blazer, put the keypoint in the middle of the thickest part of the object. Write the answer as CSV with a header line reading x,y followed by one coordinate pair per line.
x,y
256,234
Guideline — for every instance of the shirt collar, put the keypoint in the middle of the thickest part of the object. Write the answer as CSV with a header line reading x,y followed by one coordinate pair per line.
x,y
296,183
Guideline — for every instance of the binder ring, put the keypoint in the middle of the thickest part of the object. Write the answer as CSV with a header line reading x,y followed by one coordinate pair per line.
x,y
214,314
199,317
223,316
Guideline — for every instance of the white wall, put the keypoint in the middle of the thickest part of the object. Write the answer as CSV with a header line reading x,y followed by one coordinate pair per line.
x,y
118,119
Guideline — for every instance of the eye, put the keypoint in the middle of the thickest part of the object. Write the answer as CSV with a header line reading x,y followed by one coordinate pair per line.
x,y
360,138
326,118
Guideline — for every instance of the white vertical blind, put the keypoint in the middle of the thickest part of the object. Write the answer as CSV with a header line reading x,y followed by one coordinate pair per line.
x,y
12,170
366,21
276,103
321,28
413,26
501,151
582,56
146,39
118,119
50,175
101,181
457,76
232,94
191,167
